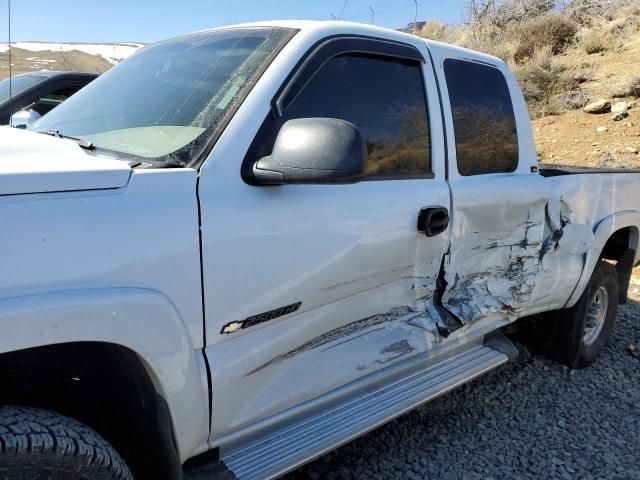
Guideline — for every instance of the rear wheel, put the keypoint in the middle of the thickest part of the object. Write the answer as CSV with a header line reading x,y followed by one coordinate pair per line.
x,y
582,331
41,445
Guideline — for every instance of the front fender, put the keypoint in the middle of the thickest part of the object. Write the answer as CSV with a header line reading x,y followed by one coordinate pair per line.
x,y
145,321
604,230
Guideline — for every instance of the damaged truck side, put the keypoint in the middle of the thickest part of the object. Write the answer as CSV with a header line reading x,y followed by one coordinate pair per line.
x,y
244,247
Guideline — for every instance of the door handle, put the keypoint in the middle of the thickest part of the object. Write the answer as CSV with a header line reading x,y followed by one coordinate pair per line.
x,y
433,220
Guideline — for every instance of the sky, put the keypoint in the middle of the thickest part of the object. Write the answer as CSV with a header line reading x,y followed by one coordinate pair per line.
x,y
152,20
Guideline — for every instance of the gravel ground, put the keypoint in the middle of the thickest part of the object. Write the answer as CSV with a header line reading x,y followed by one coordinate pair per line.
x,y
532,418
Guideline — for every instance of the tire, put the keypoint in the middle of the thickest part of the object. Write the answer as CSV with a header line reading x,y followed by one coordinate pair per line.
x,y
582,331
41,445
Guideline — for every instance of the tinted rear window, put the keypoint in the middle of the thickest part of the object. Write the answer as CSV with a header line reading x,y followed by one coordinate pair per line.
x,y
483,120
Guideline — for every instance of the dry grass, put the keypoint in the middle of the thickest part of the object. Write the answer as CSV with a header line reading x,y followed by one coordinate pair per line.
x,y
547,84
440,31
631,89
571,100
593,41
553,30
586,11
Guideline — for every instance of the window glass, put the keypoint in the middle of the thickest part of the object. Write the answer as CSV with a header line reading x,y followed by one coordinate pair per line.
x,y
18,83
51,100
483,120
385,99
164,103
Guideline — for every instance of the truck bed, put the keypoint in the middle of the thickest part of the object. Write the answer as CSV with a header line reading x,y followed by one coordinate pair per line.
x,y
552,170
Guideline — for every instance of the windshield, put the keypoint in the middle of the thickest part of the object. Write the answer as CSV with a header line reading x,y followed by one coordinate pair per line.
x,y
165,102
18,84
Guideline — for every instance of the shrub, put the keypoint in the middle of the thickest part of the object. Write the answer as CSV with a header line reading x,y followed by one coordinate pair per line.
x,y
586,11
541,80
593,41
631,89
627,23
440,31
571,100
554,29
501,14
489,40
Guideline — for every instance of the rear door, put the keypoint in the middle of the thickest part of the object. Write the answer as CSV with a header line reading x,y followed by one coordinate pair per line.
x,y
310,287
499,200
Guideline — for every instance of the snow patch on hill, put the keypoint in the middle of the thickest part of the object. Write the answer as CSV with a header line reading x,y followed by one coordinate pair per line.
x,y
112,52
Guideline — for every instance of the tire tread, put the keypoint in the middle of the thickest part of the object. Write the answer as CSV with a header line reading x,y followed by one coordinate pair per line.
x,y
49,445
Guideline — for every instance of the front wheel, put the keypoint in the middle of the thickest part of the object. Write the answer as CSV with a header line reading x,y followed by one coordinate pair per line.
x,y
583,330
41,445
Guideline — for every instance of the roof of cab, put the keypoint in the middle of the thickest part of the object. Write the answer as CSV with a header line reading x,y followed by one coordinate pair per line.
x,y
332,27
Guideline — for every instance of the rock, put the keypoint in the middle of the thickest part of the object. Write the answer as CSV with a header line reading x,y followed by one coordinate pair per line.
x,y
601,129
619,107
599,106
581,77
631,150
620,116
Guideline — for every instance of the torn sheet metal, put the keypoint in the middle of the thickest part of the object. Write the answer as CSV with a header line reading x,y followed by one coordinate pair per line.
x,y
577,239
497,272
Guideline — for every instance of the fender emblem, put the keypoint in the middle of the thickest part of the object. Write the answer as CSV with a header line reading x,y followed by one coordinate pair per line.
x,y
260,318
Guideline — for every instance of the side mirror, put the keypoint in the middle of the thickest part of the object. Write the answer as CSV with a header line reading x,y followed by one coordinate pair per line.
x,y
24,118
314,150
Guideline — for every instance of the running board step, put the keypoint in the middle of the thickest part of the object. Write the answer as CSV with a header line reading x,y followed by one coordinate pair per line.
x,y
286,449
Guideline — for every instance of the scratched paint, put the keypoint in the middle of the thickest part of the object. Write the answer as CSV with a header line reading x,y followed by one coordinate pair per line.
x,y
388,323
370,280
483,275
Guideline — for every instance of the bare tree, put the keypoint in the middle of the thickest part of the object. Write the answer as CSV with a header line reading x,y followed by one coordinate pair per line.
x,y
501,14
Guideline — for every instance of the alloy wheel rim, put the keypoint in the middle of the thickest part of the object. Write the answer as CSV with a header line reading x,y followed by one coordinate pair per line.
x,y
596,315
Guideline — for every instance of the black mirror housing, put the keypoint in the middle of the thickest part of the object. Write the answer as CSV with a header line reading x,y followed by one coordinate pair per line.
x,y
314,150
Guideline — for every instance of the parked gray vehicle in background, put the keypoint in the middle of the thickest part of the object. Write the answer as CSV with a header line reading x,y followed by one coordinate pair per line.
x,y
36,94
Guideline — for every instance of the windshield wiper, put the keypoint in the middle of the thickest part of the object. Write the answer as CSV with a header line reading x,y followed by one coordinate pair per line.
x,y
81,143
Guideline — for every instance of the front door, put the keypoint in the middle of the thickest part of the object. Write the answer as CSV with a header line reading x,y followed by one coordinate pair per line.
x,y
310,287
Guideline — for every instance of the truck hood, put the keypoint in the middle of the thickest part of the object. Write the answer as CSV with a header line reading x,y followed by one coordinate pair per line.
x,y
35,163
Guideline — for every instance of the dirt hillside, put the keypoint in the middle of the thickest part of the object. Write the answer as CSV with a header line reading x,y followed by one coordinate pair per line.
x,y
579,138
86,57
26,61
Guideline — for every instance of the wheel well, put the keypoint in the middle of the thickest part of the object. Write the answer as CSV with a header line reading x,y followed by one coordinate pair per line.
x,y
106,387
621,248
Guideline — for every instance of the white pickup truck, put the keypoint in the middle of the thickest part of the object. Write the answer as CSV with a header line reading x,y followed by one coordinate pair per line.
x,y
244,247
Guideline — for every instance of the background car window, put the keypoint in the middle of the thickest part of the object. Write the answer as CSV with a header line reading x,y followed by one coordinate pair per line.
x,y
483,120
384,98
48,102
18,84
